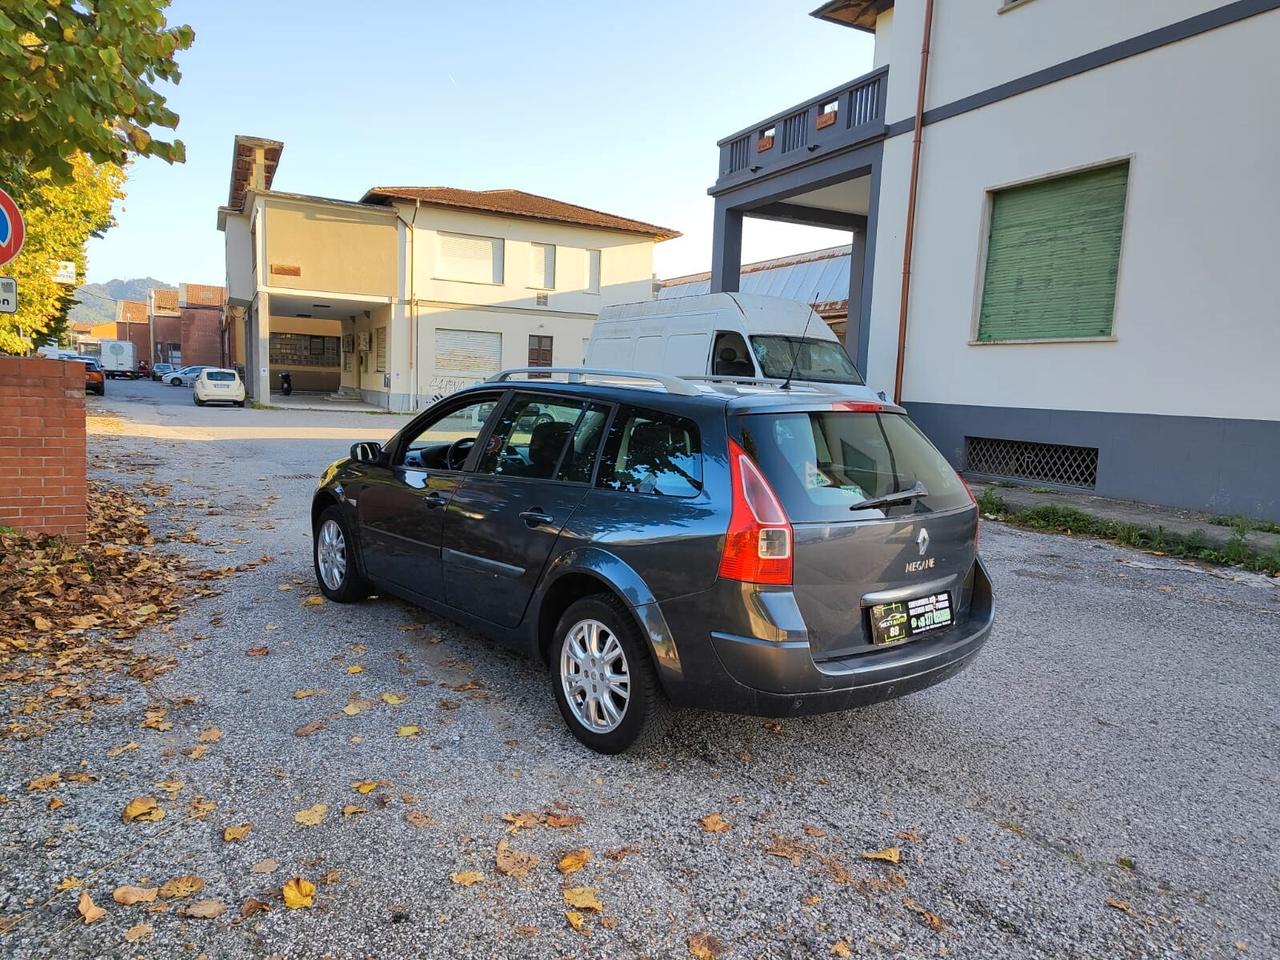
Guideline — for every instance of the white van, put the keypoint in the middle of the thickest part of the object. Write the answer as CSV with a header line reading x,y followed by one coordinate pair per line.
x,y
723,335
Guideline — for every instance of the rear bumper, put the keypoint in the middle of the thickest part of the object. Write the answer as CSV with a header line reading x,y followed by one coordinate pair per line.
x,y
781,679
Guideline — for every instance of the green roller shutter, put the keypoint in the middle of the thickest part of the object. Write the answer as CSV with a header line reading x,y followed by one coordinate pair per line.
x,y
1052,257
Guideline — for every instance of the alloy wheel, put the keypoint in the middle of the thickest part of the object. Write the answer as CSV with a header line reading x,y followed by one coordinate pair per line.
x,y
331,554
595,677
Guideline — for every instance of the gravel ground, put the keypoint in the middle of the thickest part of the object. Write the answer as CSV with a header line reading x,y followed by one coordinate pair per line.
x,y
1116,741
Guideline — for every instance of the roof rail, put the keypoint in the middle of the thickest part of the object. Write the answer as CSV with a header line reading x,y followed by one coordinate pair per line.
x,y
676,385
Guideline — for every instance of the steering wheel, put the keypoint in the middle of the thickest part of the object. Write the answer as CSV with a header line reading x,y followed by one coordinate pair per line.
x,y
459,450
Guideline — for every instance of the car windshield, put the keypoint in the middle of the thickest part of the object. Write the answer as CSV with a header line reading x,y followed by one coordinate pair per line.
x,y
822,463
220,375
824,361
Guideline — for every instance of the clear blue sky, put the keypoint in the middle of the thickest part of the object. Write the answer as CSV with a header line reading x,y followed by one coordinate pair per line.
x,y
616,106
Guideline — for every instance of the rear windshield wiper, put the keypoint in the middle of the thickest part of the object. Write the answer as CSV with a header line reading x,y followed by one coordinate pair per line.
x,y
889,499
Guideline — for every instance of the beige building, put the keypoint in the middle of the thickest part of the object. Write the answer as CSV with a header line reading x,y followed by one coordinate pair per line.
x,y
413,292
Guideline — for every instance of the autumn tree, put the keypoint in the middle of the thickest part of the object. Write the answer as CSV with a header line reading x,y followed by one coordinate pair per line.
x,y
76,77
61,216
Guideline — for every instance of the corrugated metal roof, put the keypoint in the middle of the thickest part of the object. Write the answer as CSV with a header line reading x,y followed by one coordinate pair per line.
x,y
820,276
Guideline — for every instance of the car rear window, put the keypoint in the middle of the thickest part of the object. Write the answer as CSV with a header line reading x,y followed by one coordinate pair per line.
x,y
219,375
821,463
651,452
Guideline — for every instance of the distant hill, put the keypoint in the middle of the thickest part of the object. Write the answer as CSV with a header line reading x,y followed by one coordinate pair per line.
x,y
98,300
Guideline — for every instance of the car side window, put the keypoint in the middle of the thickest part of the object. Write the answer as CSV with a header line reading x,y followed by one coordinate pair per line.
x,y
531,436
652,453
443,442
579,459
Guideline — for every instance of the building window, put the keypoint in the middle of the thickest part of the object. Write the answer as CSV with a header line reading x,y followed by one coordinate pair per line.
x,y
380,349
539,351
1053,253
542,266
298,350
469,259
593,271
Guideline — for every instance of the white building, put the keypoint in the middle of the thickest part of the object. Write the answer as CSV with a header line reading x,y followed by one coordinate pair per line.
x,y
1091,292
412,292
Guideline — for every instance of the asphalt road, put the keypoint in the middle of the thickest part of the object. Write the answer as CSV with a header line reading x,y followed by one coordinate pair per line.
x,y
1116,741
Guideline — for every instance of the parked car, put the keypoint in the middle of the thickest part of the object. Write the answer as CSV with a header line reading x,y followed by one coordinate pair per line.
x,y
215,385
724,335
161,370
185,374
664,542
95,379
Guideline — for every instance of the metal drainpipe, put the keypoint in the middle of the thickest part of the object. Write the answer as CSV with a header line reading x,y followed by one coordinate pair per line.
x,y
413,295
909,238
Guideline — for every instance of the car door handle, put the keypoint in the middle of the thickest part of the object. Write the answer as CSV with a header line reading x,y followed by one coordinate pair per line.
x,y
435,499
535,516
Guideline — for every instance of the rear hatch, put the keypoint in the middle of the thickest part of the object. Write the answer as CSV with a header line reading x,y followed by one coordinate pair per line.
x,y
908,564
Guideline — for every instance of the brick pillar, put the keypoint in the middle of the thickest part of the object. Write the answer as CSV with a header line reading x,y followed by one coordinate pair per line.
x,y
42,447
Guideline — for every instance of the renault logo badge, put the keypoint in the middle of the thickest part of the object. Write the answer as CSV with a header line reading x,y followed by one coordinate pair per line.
x,y
922,541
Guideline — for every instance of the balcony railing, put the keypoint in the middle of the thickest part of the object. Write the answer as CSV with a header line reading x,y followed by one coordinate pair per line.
x,y
845,116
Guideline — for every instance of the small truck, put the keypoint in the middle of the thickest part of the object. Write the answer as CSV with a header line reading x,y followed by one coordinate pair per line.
x,y
118,359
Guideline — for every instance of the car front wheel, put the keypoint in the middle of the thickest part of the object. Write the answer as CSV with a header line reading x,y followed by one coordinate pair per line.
x,y
604,680
335,565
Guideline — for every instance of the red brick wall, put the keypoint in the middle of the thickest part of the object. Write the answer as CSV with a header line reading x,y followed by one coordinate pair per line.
x,y
168,330
42,446
202,335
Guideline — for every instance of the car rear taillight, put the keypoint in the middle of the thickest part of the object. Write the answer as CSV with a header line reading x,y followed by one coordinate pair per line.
x,y
977,521
757,547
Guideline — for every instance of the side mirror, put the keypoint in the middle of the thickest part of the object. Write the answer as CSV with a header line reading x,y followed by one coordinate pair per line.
x,y
368,451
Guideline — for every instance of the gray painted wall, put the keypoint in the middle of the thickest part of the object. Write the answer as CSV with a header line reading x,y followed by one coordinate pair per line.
x,y
1200,463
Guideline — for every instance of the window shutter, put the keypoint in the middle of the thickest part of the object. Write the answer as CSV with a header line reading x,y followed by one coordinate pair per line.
x,y
542,265
1052,257
472,259
380,349
470,351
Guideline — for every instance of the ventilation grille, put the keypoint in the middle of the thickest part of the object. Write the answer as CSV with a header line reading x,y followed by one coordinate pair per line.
x,y
1023,460
540,300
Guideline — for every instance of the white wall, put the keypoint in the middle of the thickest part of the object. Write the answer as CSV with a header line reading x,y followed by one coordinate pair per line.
x,y
975,47
241,283
1197,324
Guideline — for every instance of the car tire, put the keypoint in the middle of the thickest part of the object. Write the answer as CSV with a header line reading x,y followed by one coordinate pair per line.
x,y
349,585
239,403
198,401
645,712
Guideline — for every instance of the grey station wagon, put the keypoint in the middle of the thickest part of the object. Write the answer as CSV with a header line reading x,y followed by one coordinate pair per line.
x,y
664,542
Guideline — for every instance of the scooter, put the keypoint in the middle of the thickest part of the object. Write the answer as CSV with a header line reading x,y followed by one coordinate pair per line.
x,y
286,382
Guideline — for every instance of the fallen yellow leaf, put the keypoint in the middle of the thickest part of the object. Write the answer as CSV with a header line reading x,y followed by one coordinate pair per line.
x,y
303,694
128,896
466,878
409,730
298,893
69,883
841,949
513,863
47,782
265,866
88,909
123,748
416,818
704,946
394,699
573,861
231,834
356,705
350,810
312,815
138,931
714,823
355,668
196,752
209,735
887,855
179,887
252,907
584,898
55,803
576,920
365,786
142,808
313,601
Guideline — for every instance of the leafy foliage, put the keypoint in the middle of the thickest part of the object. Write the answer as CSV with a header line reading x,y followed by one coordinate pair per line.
x,y
77,78
60,218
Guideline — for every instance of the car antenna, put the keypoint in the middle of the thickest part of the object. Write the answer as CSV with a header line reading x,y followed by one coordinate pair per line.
x,y
795,354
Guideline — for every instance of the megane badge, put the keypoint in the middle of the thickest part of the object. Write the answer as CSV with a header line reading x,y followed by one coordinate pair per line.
x,y
922,541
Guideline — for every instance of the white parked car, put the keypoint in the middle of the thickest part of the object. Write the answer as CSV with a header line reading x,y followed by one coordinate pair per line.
x,y
215,385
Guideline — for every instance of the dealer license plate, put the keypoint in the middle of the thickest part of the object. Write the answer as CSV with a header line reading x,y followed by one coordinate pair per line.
x,y
894,622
